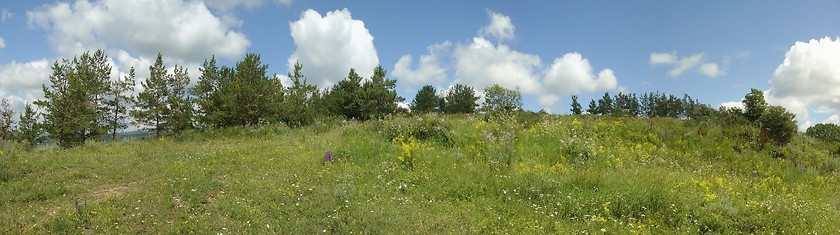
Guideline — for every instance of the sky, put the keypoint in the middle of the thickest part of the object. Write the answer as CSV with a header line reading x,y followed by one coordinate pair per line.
x,y
714,51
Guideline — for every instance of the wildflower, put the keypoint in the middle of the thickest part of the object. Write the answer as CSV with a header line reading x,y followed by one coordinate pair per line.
x,y
328,157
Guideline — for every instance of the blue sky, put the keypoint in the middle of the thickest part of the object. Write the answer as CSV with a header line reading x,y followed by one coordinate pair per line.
x,y
714,51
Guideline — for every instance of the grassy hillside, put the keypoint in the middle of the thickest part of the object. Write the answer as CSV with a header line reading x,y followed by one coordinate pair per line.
x,y
430,174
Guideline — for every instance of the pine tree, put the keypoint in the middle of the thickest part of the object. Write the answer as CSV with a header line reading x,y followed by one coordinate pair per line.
x,y
341,100
460,99
576,108
180,107
298,100
61,104
378,95
152,108
425,101
120,98
593,108
29,130
206,93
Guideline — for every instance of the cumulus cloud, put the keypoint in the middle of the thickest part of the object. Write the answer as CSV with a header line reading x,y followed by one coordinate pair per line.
x,y
21,82
2,43
500,27
483,64
184,30
680,65
329,46
572,74
429,69
808,78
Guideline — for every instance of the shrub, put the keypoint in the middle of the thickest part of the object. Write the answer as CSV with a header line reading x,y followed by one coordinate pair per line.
x,y
779,124
429,126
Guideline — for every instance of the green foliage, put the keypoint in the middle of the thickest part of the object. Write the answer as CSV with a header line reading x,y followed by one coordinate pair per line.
x,y
426,100
779,124
239,96
593,108
299,100
429,126
7,132
825,131
152,103
74,104
500,99
379,97
459,99
576,108
754,105
343,98
355,99
29,130
118,105
605,105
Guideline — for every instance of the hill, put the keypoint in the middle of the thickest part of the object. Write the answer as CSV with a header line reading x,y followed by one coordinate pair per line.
x,y
430,174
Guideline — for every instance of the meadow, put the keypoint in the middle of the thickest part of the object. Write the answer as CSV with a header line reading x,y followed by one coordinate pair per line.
x,y
430,174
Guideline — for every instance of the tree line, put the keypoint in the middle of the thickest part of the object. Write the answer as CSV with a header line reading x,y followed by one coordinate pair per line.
x,y
82,102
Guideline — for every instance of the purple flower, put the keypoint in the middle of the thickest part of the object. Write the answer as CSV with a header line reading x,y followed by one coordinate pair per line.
x,y
328,157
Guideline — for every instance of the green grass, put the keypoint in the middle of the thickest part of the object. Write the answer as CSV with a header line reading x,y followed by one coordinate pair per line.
x,y
447,174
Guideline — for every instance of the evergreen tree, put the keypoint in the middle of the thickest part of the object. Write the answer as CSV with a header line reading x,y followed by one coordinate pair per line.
x,y
426,100
120,98
576,108
206,92
59,121
342,99
255,96
180,108
460,99
29,130
6,121
299,99
605,104
152,109
593,108
378,96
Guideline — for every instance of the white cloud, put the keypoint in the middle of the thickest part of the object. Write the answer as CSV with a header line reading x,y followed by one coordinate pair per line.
x,y
5,15
500,27
711,70
483,64
183,30
680,65
572,74
732,104
684,64
329,46
657,58
808,78
2,43
429,70
21,82
226,5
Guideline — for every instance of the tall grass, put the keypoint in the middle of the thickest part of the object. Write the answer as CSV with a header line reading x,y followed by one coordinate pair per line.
x,y
534,174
